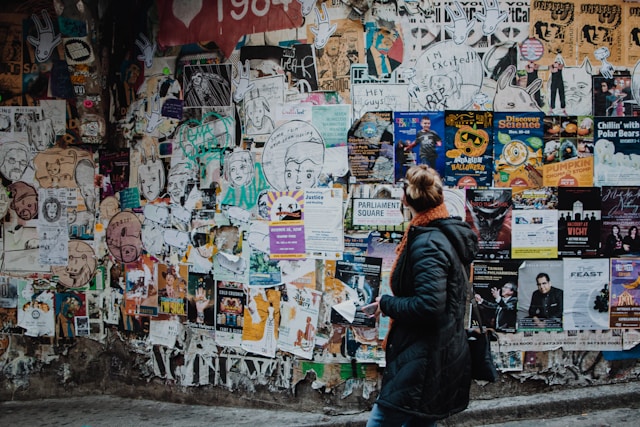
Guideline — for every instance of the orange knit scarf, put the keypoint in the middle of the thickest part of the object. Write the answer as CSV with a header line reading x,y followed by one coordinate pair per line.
x,y
420,220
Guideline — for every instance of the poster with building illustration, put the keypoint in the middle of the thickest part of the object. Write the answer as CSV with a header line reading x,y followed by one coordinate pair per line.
x,y
579,220
468,148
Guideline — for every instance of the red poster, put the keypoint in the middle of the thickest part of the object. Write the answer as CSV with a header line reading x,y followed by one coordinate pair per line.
x,y
185,22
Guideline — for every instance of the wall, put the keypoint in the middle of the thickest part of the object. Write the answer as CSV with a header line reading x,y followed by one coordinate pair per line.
x,y
181,216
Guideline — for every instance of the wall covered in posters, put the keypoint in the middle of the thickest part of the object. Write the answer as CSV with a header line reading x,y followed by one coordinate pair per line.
x,y
231,200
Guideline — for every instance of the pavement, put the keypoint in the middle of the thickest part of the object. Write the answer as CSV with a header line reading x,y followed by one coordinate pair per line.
x,y
593,406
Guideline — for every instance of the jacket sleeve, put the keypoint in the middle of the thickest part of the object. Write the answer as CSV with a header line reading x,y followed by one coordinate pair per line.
x,y
423,299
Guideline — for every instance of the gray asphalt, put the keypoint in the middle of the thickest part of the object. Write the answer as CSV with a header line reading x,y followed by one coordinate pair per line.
x,y
616,405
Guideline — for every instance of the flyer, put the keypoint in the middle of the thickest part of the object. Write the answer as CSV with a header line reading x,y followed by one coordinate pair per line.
x,y
488,212
579,219
534,223
297,333
586,298
286,225
517,149
541,302
230,302
323,226
469,148
624,305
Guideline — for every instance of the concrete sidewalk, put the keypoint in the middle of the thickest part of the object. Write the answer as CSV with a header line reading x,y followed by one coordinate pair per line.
x,y
538,409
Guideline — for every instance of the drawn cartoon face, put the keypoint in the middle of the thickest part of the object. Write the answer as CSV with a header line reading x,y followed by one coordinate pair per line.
x,y
51,209
124,237
25,200
240,172
177,183
82,265
14,164
41,134
263,205
301,175
332,48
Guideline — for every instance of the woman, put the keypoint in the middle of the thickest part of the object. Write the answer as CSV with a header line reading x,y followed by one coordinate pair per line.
x,y
613,244
631,242
427,375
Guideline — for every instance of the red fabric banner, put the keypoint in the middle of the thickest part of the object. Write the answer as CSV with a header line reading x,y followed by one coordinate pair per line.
x,y
223,21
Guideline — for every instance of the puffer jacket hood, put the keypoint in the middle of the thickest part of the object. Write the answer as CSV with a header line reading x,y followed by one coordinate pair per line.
x,y
461,236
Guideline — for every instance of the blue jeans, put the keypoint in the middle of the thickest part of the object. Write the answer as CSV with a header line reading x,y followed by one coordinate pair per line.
x,y
387,417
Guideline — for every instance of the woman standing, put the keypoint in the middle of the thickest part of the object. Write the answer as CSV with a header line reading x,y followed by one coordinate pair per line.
x,y
427,375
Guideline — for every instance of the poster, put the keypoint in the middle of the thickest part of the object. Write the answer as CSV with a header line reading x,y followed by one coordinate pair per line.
x,y
261,321
37,311
586,298
488,212
624,306
370,145
469,148
286,225
568,151
361,274
297,333
541,302
579,220
534,223
418,140
495,288
517,149
172,289
617,153
230,304
324,229
620,220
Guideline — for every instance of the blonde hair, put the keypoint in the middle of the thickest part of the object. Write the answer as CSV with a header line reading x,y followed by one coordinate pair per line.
x,y
423,188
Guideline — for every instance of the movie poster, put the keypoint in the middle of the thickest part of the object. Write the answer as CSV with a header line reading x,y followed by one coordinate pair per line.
x,y
624,307
469,148
488,212
495,289
620,220
517,149
579,219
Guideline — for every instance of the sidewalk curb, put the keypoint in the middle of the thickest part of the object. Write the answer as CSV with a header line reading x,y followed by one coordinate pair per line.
x,y
553,404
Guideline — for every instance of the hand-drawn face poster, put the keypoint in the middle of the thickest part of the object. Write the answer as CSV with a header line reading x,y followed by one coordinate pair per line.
x,y
624,310
489,213
469,148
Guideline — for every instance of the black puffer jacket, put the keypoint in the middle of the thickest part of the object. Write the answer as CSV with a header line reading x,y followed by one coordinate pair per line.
x,y
428,365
